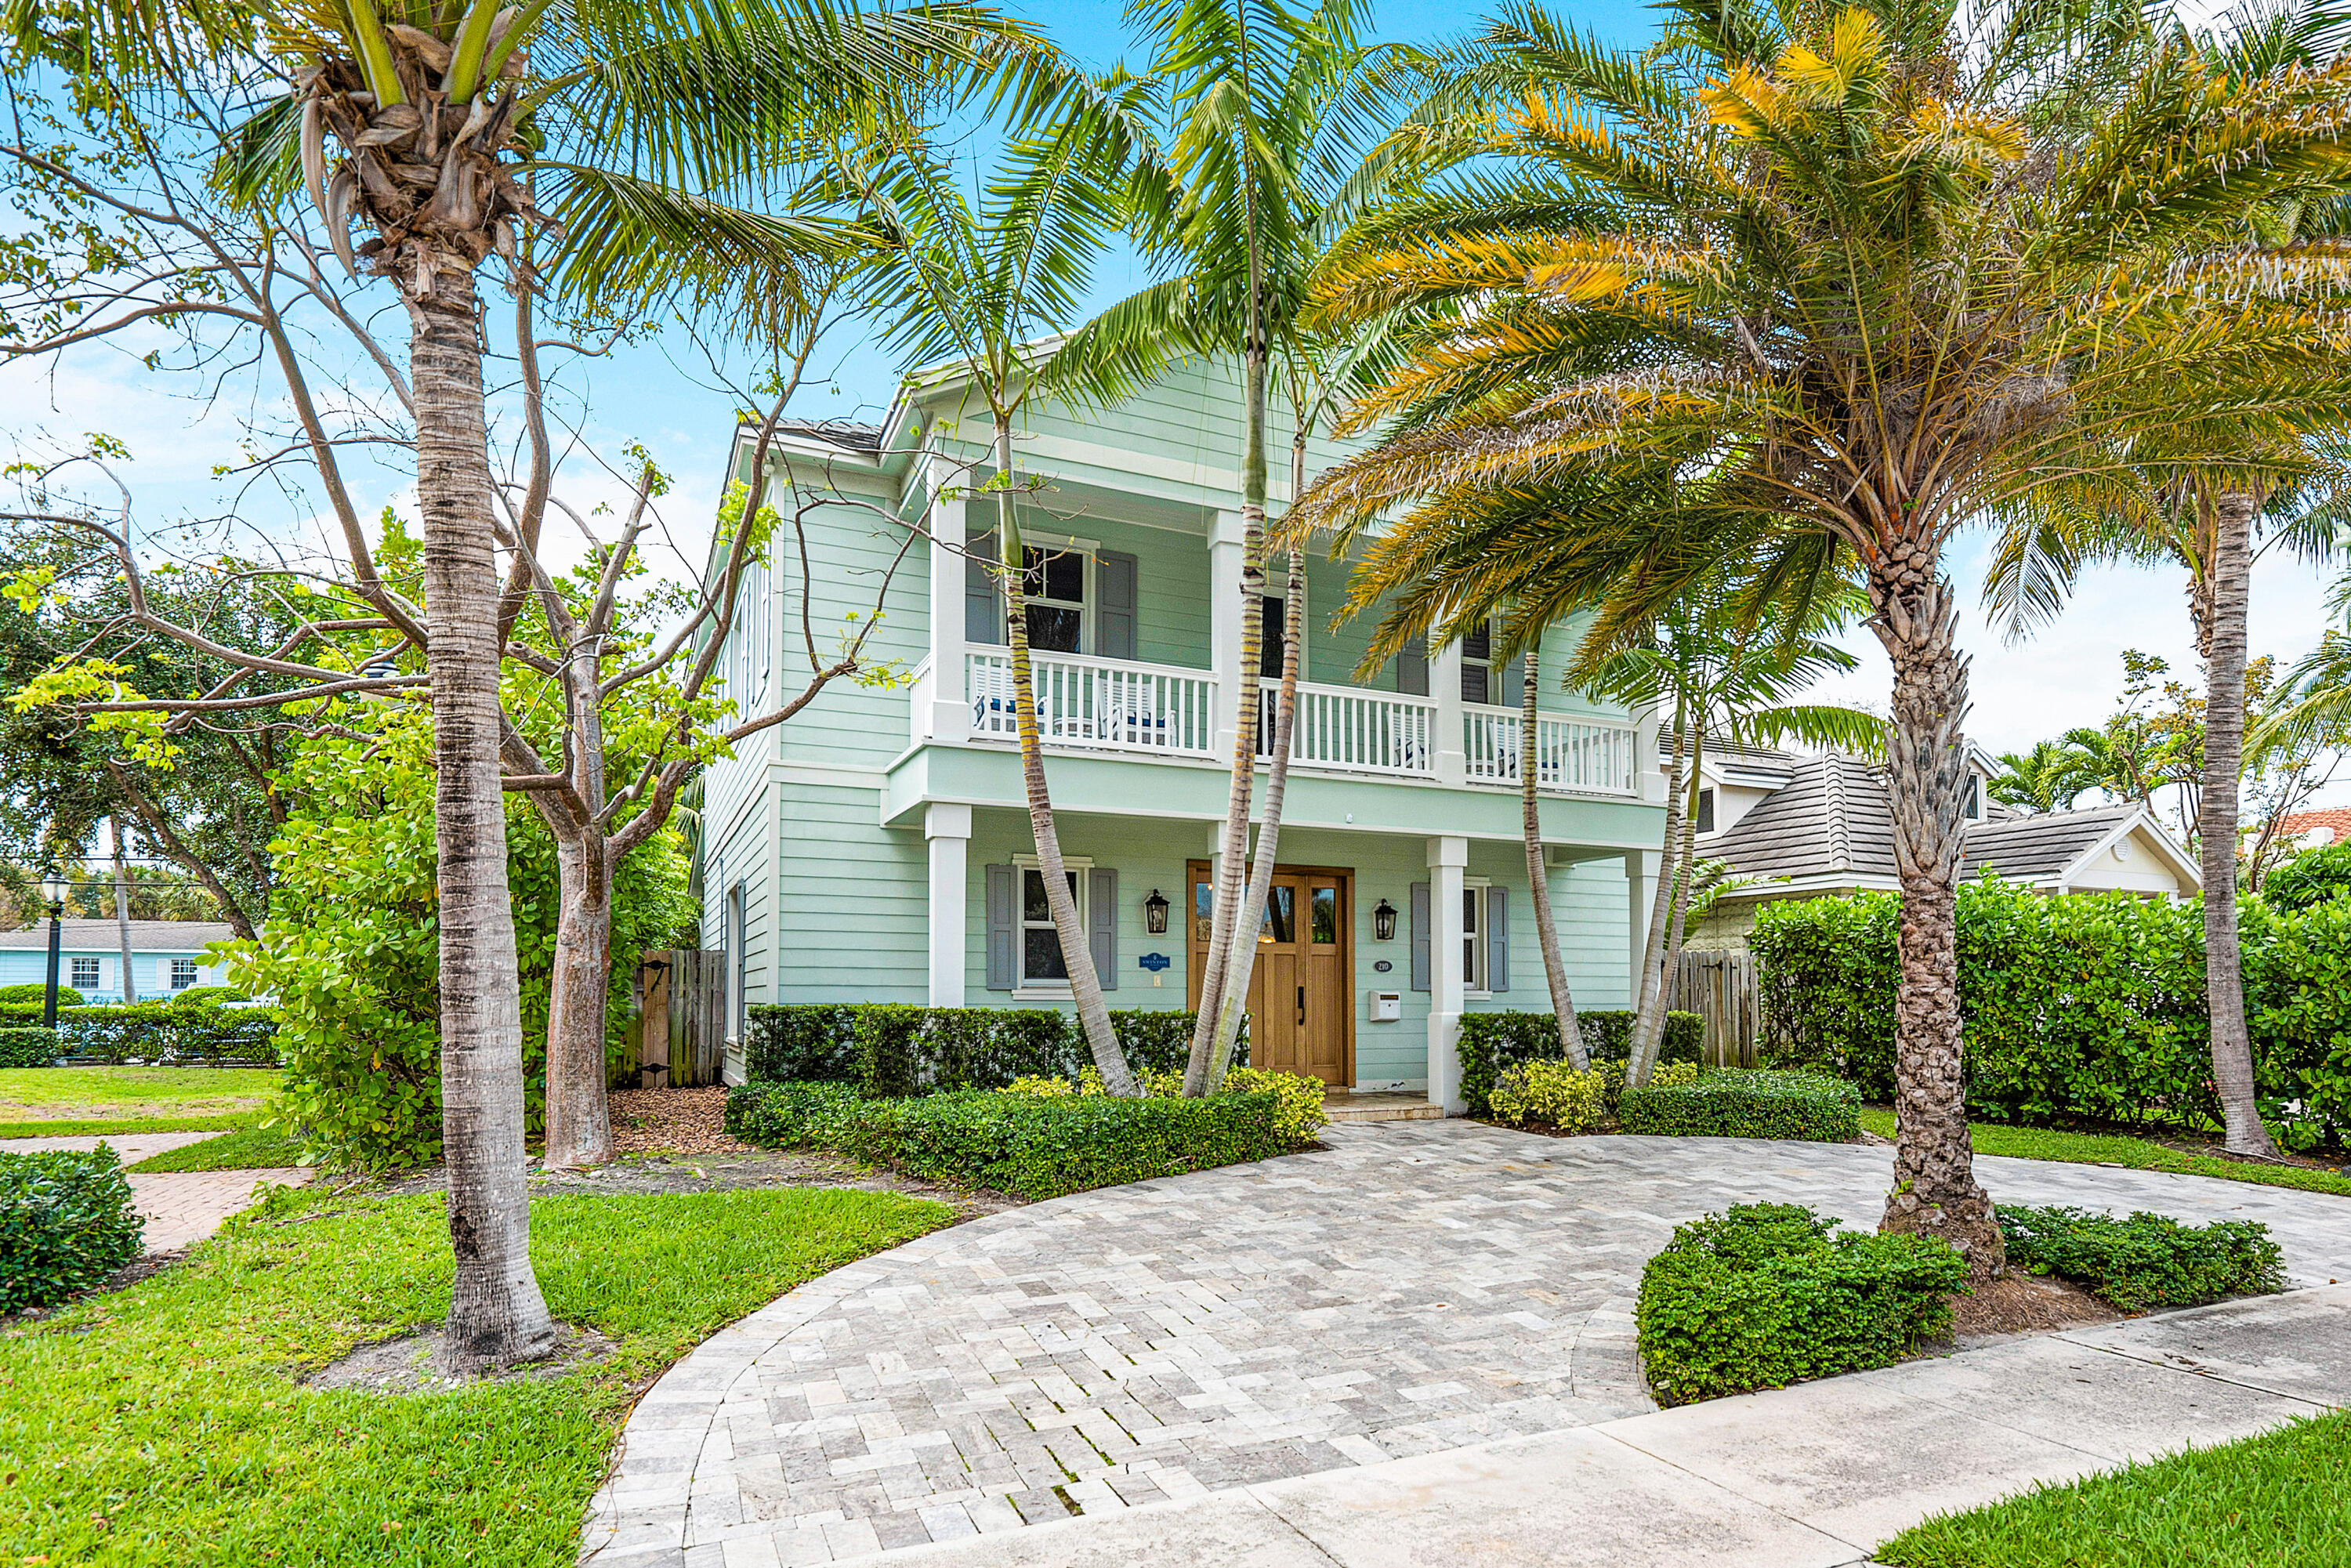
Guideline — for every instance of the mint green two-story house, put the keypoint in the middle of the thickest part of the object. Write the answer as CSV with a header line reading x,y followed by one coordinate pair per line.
x,y
877,847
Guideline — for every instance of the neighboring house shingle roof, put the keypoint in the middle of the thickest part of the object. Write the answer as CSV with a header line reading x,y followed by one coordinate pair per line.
x,y
1834,820
854,434
146,935
2336,820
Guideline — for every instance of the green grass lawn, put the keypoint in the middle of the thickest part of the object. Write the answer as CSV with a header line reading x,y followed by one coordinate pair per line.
x,y
2271,1502
164,1423
2113,1149
247,1149
126,1094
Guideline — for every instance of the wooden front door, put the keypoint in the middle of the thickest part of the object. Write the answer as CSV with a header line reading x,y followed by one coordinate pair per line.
x,y
1301,987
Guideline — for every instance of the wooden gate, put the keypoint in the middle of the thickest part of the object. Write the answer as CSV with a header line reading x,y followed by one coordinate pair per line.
x,y
1719,986
684,991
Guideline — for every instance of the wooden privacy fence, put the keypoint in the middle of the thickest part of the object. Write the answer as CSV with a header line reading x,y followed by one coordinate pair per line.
x,y
683,1017
1719,986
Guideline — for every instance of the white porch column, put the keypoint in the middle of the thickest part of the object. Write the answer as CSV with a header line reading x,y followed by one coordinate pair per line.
x,y
1641,871
1225,628
1447,857
950,715
1445,689
947,831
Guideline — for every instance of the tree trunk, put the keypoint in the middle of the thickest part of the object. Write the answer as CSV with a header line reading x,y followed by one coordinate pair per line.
x,y
1678,880
1562,1004
578,1120
1077,956
122,907
1243,957
2224,741
1233,852
497,1316
1934,1190
1649,1006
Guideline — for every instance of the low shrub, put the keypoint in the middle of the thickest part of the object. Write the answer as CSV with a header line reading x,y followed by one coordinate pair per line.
x,y
889,1049
37,994
31,1046
1490,1042
1550,1090
66,1223
1297,1101
1752,1103
1031,1144
1768,1294
2314,876
2146,1262
197,995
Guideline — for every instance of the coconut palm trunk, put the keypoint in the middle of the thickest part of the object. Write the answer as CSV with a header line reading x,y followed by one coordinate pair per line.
x,y
1649,1006
1934,1190
2221,629
497,1316
1233,847
1563,1003
1077,956
122,907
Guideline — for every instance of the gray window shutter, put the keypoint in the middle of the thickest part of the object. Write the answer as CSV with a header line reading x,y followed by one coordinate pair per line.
x,y
1514,684
1497,938
983,605
1003,900
1420,936
1412,668
1115,605
1101,912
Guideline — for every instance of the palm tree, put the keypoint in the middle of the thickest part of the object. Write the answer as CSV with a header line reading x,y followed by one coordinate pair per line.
x,y
1280,123
1873,278
599,142
2049,778
971,284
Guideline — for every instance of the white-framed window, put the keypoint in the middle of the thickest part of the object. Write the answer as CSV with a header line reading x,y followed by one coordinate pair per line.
x,y
1277,611
85,974
183,973
1477,974
1057,587
1043,966
1974,808
1478,682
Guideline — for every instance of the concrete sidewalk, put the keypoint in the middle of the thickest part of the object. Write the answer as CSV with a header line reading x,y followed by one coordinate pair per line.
x,y
1812,1476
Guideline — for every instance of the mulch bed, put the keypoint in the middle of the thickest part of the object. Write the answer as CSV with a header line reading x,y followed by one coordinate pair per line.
x,y
672,1121
2025,1303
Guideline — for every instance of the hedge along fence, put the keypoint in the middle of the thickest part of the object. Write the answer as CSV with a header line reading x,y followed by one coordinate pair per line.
x,y
1489,1042
891,1049
159,1032
1809,1107
2078,1006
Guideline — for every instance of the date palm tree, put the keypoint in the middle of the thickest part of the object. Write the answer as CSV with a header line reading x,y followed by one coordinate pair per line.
x,y
615,152
1281,120
1871,277
2049,778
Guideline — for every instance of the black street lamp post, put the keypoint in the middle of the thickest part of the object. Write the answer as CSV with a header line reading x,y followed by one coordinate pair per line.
x,y
53,888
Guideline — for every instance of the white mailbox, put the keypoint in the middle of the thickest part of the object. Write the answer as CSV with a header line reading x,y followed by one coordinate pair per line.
x,y
1388,1007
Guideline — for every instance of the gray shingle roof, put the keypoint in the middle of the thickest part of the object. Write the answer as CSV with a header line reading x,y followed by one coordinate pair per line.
x,y
1834,819
146,935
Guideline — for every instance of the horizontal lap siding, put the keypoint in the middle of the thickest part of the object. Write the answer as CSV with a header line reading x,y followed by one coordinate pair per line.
x,y
1172,591
1145,854
848,550
853,899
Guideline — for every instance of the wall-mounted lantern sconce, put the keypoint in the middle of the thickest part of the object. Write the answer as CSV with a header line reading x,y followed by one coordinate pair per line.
x,y
1154,914
1384,922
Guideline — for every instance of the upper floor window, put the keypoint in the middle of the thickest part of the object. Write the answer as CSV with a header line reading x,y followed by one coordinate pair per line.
x,y
1706,810
1055,588
183,973
1478,682
1973,805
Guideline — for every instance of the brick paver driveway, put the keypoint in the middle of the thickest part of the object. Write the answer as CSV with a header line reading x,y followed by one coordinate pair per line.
x,y
1419,1286
181,1207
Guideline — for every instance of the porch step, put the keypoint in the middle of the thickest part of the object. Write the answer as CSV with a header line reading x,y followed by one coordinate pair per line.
x,y
1379,1105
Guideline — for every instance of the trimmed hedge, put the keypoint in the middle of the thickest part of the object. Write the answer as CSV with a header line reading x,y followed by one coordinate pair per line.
x,y
30,1047
1809,1107
2148,1260
206,996
891,1049
165,1031
66,1223
1549,1091
1489,1042
1034,1146
37,993
1766,1294
2081,1007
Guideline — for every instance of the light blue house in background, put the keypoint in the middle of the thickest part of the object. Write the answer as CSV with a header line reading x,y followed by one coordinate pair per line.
x,y
166,956
876,847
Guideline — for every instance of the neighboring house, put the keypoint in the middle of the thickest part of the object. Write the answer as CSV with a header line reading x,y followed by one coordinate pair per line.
x,y
166,956
1813,826
2316,830
877,847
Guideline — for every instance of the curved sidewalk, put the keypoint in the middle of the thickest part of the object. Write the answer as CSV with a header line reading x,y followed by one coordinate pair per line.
x,y
1418,1288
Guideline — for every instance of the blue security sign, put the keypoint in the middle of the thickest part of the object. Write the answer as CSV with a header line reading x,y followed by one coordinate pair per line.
x,y
1154,961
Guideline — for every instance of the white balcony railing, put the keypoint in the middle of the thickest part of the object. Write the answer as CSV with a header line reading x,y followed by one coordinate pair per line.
x,y
1587,756
1105,703
1355,731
